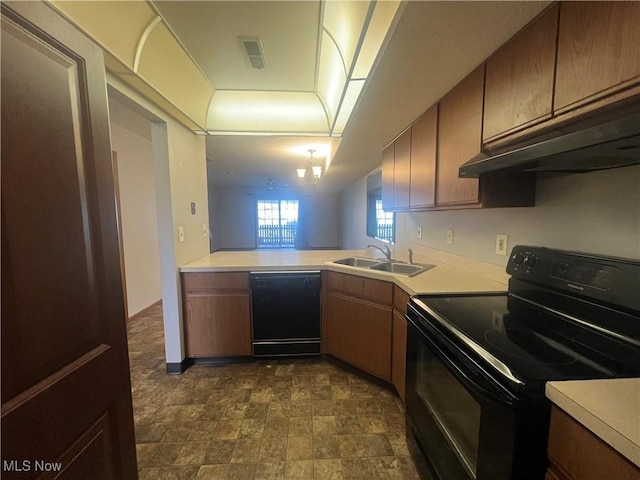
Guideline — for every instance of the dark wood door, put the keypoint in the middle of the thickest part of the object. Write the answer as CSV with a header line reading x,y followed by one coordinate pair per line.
x,y
66,393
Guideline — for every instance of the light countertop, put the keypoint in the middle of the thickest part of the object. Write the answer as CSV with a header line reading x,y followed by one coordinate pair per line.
x,y
609,408
443,278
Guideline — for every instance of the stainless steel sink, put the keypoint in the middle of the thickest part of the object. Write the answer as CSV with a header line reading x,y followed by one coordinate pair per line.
x,y
357,262
398,268
401,268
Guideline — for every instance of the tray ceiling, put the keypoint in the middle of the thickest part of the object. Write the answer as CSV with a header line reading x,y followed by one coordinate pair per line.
x,y
188,59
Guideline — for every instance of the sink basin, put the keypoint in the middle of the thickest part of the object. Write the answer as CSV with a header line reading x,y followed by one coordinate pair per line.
x,y
357,262
401,268
394,267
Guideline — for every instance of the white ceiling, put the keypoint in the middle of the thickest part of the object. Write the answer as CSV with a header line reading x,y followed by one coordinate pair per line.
x,y
433,46
210,31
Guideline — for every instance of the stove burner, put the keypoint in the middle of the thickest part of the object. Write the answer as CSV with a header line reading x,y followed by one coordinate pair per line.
x,y
530,346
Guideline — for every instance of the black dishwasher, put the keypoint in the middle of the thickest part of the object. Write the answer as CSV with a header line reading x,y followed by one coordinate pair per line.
x,y
286,313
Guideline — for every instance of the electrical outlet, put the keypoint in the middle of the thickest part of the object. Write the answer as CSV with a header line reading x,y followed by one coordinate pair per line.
x,y
450,236
205,230
501,244
180,234
419,232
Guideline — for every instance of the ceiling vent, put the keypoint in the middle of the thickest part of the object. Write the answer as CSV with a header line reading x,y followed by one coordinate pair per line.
x,y
252,48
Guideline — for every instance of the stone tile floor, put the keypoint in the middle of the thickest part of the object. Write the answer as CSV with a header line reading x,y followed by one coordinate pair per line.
x,y
269,419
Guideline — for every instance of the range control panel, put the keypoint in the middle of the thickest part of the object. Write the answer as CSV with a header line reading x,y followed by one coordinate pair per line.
x,y
612,279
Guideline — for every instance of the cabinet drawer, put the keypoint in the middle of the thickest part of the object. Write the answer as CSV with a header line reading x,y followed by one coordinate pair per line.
x,y
400,300
215,281
576,451
375,290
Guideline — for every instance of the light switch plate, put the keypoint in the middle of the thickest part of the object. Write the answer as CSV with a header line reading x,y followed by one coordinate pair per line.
x,y
419,232
205,230
501,244
180,234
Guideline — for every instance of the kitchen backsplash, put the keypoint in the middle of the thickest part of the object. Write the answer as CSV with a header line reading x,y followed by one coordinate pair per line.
x,y
596,212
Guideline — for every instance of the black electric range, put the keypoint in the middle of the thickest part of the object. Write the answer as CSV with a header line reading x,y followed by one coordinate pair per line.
x,y
477,364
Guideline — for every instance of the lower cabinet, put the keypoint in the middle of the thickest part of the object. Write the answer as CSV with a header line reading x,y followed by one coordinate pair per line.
x,y
399,340
363,320
217,314
576,453
357,324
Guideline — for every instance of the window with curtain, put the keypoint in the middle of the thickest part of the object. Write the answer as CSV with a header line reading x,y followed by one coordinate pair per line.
x,y
277,223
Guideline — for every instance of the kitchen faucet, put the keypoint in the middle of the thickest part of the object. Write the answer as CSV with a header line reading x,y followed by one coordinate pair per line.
x,y
386,251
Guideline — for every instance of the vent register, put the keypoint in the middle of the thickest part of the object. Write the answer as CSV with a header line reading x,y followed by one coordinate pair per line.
x,y
253,52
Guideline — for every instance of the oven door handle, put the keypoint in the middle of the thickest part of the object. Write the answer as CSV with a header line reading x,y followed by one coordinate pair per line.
x,y
497,394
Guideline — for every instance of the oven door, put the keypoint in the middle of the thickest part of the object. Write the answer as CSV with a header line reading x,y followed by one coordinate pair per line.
x,y
461,425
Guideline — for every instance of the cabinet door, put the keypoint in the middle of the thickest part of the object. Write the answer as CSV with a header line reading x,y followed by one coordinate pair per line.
x,y
423,159
519,81
598,51
402,171
359,332
399,352
218,324
459,139
582,455
387,177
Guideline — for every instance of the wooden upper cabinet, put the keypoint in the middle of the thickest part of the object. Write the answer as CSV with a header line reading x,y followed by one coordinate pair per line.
x,y
519,79
423,159
402,170
387,177
459,139
598,51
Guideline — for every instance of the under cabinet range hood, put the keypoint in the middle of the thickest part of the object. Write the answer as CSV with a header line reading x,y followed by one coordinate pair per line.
x,y
610,145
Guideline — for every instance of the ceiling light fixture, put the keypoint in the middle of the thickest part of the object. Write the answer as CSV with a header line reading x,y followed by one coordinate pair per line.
x,y
312,174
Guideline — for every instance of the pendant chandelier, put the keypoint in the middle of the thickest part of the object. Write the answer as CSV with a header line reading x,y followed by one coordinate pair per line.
x,y
311,174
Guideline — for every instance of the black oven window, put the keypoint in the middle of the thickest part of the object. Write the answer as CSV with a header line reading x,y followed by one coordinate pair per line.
x,y
454,410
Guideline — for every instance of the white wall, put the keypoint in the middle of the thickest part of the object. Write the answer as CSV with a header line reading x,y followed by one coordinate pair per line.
x,y
232,217
232,212
138,215
180,178
597,212
353,217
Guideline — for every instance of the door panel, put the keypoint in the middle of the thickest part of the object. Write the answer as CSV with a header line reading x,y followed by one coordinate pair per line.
x,y
66,394
54,241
